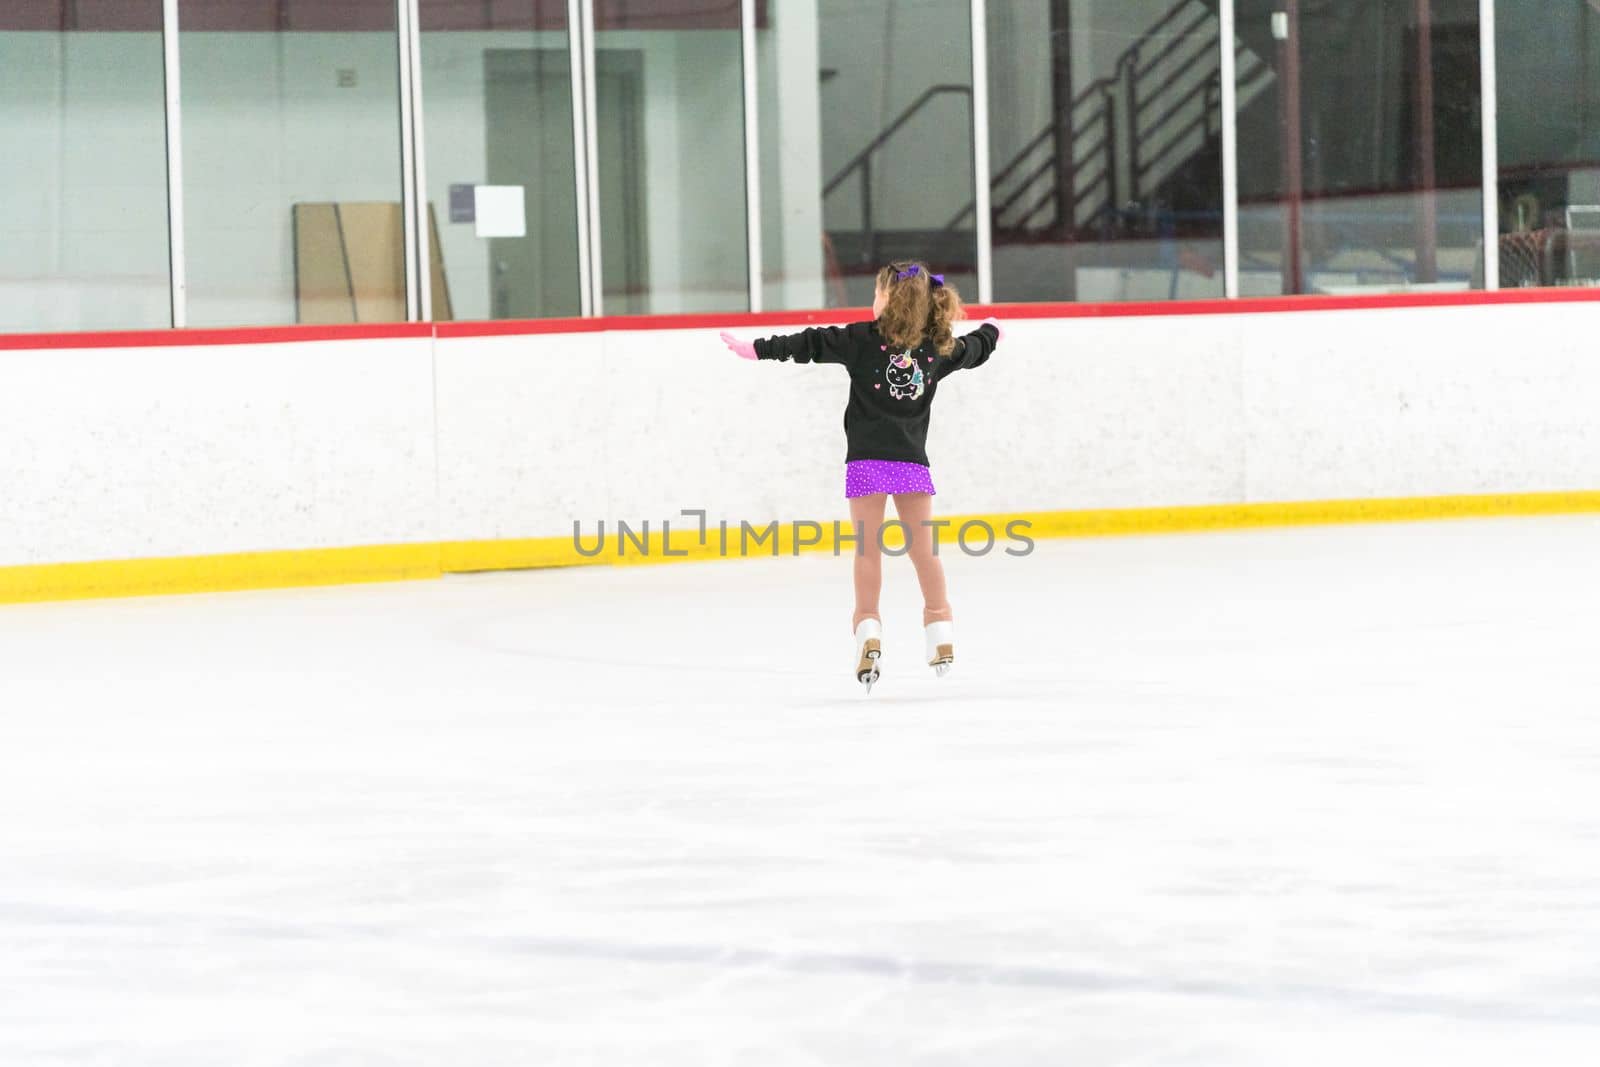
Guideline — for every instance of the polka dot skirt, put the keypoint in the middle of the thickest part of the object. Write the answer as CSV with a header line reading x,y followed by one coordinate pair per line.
x,y
864,477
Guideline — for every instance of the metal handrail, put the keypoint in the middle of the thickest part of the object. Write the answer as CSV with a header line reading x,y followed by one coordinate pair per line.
x,y
1201,89
860,159
1173,76
1179,39
1022,154
1022,187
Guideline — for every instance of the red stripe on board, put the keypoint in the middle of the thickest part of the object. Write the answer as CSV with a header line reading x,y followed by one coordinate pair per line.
x,y
736,320
251,335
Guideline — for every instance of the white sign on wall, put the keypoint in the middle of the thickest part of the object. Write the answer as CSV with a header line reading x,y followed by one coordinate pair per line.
x,y
500,211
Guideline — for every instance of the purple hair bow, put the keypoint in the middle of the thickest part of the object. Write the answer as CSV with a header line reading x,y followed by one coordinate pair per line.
x,y
913,270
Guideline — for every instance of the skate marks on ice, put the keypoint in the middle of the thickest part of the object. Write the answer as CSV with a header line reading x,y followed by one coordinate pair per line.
x,y
805,671
501,636
672,633
155,928
1064,980
903,681
1315,798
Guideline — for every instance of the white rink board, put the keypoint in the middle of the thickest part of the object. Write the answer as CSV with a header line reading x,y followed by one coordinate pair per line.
x,y
667,420
142,452
195,450
1070,414
521,430
1421,402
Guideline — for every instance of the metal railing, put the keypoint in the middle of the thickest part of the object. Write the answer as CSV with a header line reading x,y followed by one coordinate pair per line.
x,y
861,162
1127,131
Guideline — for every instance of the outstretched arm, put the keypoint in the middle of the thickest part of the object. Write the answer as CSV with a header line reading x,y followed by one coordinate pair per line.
x,y
973,349
829,344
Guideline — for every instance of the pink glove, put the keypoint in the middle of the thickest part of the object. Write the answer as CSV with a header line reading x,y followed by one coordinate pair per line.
x,y
999,331
742,349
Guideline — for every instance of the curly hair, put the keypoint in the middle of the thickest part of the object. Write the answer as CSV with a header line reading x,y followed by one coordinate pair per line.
x,y
915,309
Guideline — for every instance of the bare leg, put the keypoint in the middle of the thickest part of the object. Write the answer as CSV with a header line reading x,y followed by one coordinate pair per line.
x,y
866,514
914,510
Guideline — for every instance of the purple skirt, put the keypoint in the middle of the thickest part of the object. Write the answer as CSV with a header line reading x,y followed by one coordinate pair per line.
x,y
864,477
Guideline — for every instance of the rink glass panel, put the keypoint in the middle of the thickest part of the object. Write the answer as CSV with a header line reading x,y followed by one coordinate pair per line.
x,y
670,143
292,162
1105,147
1548,55
1360,146
83,172
497,111
866,146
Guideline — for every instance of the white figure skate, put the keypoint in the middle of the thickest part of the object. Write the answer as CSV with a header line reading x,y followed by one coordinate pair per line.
x,y
869,646
941,646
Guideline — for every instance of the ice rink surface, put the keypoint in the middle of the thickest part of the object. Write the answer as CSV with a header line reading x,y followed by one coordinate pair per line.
x,y
1322,796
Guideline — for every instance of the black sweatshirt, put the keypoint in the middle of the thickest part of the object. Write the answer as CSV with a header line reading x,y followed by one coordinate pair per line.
x,y
891,390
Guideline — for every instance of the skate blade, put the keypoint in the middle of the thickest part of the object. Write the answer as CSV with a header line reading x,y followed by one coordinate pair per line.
x,y
944,658
867,669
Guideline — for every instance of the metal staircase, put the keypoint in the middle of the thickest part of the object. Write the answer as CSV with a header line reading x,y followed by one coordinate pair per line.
x,y
1130,134
1139,140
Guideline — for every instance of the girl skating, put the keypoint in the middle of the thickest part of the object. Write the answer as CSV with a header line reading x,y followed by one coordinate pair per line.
x,y
896,363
